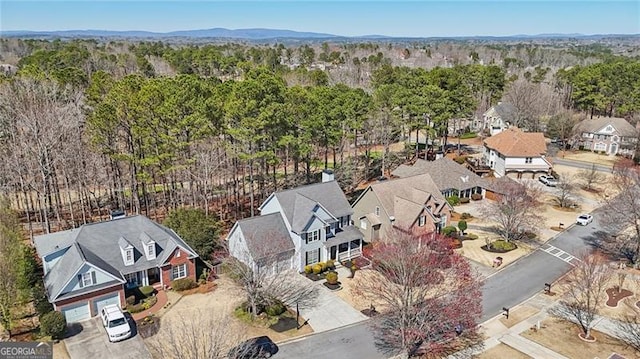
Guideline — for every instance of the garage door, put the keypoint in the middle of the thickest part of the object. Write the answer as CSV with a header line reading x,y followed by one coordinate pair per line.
x,y
101,302
76,312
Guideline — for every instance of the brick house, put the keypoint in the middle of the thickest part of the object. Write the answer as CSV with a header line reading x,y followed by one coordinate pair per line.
x,y
412,204
91,266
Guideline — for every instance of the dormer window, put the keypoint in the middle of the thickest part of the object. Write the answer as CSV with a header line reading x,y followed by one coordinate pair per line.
x,y
126,249
421,221
128,256
151,250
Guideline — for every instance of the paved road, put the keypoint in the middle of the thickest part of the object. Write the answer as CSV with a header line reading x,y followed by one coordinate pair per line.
x,y
581,164
507,288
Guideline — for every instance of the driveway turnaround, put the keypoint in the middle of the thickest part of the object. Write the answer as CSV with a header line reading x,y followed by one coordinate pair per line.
x,y
329,311
91,342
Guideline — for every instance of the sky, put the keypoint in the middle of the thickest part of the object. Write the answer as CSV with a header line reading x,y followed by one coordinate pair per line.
x,y
347,18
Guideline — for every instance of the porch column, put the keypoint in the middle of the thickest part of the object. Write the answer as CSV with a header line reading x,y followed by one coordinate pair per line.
x,y
145,277
361,247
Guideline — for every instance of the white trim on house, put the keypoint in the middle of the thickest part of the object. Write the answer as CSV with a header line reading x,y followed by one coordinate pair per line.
x,y
181,270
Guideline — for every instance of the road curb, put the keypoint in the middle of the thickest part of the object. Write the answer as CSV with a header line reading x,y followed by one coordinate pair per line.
x,y
305,336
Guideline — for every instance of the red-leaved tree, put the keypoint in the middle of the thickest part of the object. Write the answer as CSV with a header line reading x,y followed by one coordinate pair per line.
x,y
429,298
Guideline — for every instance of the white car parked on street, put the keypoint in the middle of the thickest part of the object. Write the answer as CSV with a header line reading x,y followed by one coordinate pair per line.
x,y
584,219
115,323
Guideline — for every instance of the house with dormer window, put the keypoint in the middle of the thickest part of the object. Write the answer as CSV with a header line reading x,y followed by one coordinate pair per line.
x,y
298,227
610,135
91,266
414,204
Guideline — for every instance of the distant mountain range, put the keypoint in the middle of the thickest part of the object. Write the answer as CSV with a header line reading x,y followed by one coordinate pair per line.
x,y
260,34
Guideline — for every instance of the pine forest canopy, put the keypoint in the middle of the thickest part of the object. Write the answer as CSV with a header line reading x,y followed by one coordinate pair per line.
x,y
89,126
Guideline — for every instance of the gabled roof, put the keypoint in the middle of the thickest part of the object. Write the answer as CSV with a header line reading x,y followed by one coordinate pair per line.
x,y
513,142
444,172
298,203
99,244
597,124
266,235
505,111
405,198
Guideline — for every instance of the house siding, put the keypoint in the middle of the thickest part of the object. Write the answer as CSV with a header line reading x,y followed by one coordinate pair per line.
x,y
90,297
367,204
74,284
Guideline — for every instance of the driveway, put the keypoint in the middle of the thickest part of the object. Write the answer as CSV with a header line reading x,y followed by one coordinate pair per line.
x,y
329,311
90,342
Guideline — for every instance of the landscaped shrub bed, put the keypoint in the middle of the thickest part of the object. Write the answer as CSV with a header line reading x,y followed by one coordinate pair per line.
x,y
476,196
500,246
183,284
317,271
149,326
142,306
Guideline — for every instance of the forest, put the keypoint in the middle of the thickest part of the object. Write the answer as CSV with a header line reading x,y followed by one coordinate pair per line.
x,y
90,126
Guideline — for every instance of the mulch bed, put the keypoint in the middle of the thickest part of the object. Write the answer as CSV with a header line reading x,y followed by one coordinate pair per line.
x,y
361,262
284,324
369,312
147,329
332,286
615,297
557,229
590,339
314,277
493,250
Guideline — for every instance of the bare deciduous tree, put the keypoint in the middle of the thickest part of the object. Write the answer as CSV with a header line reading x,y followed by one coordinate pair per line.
x,y
587,285
430,299
515,210
565,191
206,335
531,102
591,177
267,280
629,327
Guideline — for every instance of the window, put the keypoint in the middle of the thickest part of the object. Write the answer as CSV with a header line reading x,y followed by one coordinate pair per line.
x,y
363,223
312,256
377,211
132,278
87,279
344,221
151,250
179,271
528,160
128,256
313,236
421,221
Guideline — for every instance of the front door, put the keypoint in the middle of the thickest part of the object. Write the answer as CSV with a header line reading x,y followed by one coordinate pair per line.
x,y
154,275
334,252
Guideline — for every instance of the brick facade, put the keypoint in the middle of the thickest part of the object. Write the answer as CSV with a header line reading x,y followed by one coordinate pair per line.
x,y
59,305
175,260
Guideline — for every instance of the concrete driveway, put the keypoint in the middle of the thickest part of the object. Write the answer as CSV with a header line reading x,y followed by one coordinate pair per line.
x,y
329,311
89,341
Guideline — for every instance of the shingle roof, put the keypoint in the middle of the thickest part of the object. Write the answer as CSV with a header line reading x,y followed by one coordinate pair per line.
x,y
99,245
513,142
298,203
404,198
444,172
596,124
266,235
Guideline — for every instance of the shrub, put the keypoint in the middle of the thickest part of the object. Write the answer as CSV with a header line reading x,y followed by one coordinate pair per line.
x,y
581,147
332,278
40,301
275,309
183,284
53,324
471,236
147,290
331,264
502,245
131,300
308,269
317,268
453,200
476,196
324,266
466,215
144,305
449,231
462,226
464,200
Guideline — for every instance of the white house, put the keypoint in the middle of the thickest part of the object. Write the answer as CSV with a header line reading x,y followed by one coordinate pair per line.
x,y
516,154
611,135
298,227
496,119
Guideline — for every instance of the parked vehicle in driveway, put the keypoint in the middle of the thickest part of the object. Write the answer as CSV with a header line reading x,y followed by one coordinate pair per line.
x,y
548,180
115,323
584,219
260,347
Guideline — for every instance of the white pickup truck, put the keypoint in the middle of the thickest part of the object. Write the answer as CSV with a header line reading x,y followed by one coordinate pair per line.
x,y
115,323
548,180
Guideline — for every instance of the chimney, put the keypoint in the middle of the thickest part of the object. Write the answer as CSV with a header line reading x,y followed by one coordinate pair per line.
x,y
327,175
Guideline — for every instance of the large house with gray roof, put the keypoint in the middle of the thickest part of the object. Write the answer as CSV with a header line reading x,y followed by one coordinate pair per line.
x,y
450,177
413,204
91,266
611,135
297,227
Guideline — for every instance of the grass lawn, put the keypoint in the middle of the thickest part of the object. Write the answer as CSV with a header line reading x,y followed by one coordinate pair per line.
x,y
502,351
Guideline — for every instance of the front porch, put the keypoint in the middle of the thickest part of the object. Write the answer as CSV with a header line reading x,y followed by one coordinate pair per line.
x,y
345,245
143,278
